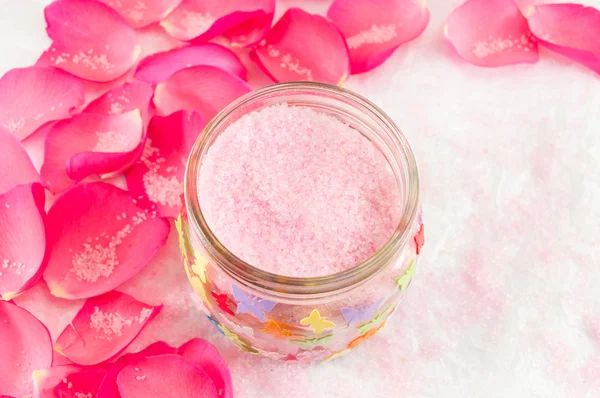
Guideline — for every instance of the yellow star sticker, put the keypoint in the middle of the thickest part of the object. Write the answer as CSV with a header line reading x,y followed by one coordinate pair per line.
x,y
316,322
405,279
200,290
243,345
182,240
199,266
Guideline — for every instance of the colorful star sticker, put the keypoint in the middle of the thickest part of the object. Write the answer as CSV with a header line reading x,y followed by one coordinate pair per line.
x,y
367,326
279,331
406,277
183,244
199,266
223,302
200,290
366,336
307,344
316,322
242,344
420,238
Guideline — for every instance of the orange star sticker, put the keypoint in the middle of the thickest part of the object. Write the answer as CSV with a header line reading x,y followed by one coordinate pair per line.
x,y
279,331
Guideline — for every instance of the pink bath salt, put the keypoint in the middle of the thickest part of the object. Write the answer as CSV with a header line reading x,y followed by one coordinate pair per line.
x,y
296,192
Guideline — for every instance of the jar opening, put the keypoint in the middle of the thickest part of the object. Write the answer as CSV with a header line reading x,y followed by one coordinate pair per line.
x,y
355,111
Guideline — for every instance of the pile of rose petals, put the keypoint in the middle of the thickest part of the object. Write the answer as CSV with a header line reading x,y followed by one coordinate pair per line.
x,y
504,32
104,113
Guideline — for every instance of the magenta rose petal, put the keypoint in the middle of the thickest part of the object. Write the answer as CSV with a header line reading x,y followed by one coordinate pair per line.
x,y
104,327
46,380
159,67
165,376
205,355
90,144
99,239
572,30
122,99
26,346
491,33
57,95
156,180
204,88
22,239
80,384
108,387
142,13
303,46
15,165
89,40
245,22
374,29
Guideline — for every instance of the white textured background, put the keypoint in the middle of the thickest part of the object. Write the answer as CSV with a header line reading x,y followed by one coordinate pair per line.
x,y
506,302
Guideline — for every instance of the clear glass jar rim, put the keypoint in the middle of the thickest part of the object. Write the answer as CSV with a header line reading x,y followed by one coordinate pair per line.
x,y
285,285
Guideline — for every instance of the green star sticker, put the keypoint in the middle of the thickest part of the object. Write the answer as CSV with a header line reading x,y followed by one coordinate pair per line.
x,y
307,344
405,279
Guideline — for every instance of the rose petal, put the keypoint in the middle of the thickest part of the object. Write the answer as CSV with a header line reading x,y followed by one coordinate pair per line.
x,y
90,144
491,33
142,13
26,346
22,239
56,95
165,376
156,180
205,355
303,46
108,387
122,99
80,384
99,239
15,165
245,21
90,40
159,67
46,380
374,29
104,327
572,30
204,88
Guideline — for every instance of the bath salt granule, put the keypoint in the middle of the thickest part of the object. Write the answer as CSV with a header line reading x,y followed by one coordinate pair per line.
x,y
297,192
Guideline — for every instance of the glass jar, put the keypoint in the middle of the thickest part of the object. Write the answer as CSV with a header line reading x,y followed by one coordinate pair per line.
x,y
303,319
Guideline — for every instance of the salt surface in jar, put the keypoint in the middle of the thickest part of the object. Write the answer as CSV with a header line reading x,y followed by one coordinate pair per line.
x,y
301,228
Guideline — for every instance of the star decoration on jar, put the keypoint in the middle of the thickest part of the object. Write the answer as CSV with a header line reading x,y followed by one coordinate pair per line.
x,y
405,279
367,326
307,344
279,331
420,238
364,337
223,302
316,322
252,305
199,266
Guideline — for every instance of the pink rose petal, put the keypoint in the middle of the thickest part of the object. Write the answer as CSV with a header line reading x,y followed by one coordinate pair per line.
x,y
15,165
159,67
90,40
303,46
142,13
374,29
572,30
26,346
205,355
108,387
104,327
156,181
491,33
80,384
244,21
46,380
99,239
56,95
22,239
122,99
165,376
90,144
204,88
